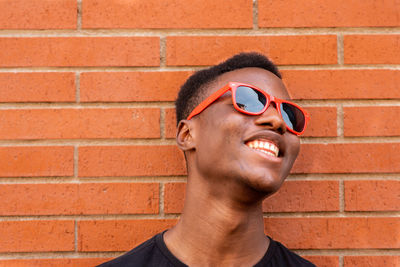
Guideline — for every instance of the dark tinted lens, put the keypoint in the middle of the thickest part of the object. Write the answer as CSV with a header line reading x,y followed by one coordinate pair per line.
x,y
293,117
249,99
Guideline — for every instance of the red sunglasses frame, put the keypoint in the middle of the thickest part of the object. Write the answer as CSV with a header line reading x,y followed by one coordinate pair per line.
x,y
233,86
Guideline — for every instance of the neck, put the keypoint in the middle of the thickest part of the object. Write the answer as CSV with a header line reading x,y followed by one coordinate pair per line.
x,y
215,230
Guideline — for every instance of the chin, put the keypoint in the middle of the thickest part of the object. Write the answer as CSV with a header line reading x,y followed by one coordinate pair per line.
x,y
269,189
266,185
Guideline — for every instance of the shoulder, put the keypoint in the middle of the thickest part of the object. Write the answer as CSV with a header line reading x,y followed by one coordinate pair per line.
x,y
279,255
146,254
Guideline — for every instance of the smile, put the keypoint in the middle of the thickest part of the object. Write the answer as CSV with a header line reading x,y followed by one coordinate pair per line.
x,y
264,146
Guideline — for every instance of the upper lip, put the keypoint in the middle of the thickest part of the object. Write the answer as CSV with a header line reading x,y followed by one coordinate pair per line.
x,y
268,136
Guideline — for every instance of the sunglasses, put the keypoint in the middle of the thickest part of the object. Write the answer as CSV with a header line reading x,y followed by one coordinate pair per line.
x,y
251,100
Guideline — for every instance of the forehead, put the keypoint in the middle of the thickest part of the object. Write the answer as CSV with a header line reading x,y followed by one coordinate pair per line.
x,y
261,78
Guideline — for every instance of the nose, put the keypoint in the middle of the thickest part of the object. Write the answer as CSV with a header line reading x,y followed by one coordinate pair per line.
x,y
271,119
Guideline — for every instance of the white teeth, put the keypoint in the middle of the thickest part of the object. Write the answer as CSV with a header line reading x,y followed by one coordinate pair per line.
x,y
266,152
264,146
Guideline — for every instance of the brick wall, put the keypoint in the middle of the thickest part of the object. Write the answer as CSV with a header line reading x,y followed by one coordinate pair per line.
x,y
88,165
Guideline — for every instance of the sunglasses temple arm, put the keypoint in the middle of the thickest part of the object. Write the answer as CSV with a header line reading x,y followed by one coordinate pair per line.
x,y
208,101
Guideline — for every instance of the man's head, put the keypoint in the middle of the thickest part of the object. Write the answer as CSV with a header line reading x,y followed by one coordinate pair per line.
x,y
193,90
226,149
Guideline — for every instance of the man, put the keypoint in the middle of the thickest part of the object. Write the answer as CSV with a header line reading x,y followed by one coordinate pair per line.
x,y
240,139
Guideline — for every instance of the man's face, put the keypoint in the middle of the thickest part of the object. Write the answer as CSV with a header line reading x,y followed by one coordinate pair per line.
x,y
227,142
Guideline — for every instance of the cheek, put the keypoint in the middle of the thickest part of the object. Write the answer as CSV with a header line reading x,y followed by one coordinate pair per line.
x,y
228,127
293,144
217,137
294,148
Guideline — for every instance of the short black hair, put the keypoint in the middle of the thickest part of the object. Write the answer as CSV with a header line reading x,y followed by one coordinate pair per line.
x,y
193,90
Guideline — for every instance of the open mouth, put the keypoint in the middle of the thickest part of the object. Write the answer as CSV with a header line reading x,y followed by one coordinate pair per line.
x,y
264,146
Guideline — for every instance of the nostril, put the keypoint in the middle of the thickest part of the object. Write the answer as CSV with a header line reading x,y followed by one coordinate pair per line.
x,y
281,130
278,127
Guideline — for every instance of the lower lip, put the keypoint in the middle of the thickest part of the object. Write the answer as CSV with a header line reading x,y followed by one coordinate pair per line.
x,y
269,157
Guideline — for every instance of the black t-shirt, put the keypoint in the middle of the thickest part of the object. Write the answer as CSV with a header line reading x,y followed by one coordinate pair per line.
x,y
155,253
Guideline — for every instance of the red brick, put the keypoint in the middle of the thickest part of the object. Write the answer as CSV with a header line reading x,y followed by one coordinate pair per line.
x,y
348,158
38,199
331,13
131,86
323,121
174,196
372,121
371,49
342,84
82,262
118,198
293,196
28,14
35,236
80,123
335,233
121,235
69,199
323,261
170,123
371,261
37,87
283,50
167,14
36,161
79,51
130,161
372,195
304,196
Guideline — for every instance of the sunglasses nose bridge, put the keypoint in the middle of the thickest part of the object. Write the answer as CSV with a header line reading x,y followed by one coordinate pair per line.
x,y
273,101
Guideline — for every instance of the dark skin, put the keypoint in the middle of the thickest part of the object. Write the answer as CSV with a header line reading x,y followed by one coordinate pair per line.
x,y
222,221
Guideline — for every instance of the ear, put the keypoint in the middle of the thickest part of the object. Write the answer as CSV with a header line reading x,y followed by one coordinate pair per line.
x,y
185,135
